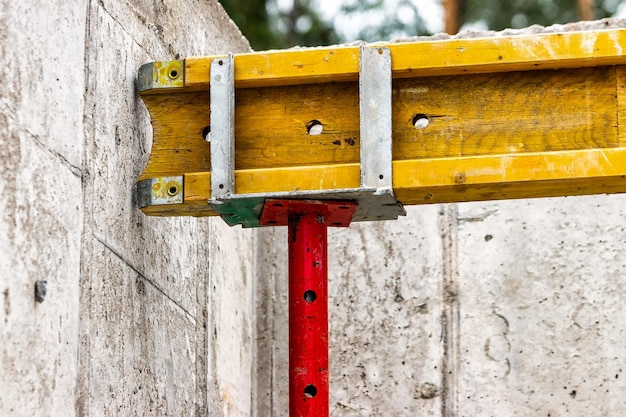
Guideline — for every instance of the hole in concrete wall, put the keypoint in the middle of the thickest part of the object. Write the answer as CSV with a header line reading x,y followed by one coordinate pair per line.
x,y
310,391
310,296
174,74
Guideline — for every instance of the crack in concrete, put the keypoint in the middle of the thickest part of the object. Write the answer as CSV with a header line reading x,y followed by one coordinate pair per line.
x,y
144,276
76,171
156,29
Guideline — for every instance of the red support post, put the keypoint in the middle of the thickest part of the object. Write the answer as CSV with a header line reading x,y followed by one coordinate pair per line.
x,y
308,311
308,223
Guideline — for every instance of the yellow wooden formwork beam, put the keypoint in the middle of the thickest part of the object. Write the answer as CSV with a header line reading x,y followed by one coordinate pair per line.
x,y
419,59
503,117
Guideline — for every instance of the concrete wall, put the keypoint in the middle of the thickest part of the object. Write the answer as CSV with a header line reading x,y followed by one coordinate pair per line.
x,y
139,318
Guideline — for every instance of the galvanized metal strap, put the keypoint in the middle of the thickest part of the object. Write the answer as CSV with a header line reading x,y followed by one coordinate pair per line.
x,y
222,95
375,112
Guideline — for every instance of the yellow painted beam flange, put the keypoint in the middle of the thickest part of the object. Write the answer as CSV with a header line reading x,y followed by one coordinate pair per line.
x,y
158,75
419,59
473,119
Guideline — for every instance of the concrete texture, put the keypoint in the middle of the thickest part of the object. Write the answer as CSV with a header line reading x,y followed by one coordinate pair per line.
x,y
41,222
165,355
546,337
42,74
139,318
41,207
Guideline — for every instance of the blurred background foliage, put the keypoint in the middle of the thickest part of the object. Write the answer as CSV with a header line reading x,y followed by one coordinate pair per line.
x,y
268,27
517,14
277,24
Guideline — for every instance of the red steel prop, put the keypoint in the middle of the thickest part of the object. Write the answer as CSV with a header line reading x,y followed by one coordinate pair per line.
x,y
308,222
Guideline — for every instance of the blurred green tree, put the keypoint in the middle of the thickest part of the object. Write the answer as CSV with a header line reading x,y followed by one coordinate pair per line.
x,y
267,26
403,20
253,19
499,14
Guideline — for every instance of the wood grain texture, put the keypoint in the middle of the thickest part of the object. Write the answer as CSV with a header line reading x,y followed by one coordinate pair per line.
x,y
418,59
437,180
177,142
505,113
620,94
469,115
498,177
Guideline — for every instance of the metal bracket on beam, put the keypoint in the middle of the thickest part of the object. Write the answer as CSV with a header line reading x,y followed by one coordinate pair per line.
x,y
163,74
222,129
160,191
375,118
375,196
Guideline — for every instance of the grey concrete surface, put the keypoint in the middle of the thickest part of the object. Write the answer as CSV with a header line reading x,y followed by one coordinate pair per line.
x,y
542,329
41,209
139,318
40,224
42,50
